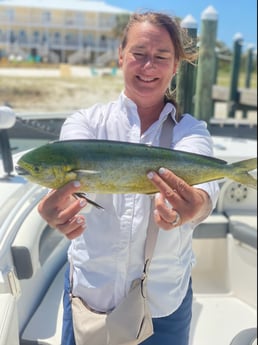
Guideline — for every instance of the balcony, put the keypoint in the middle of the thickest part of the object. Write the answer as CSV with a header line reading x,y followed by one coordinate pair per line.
x,y
83,23
53,44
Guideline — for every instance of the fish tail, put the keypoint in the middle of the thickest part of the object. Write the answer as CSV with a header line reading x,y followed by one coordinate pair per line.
x,y
240,172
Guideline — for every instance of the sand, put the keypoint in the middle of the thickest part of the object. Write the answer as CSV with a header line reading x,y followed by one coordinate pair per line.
x,y
68,88
56,90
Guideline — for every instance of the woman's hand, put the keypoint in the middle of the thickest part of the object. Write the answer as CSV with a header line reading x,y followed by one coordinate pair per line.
x,y
178,203
60,210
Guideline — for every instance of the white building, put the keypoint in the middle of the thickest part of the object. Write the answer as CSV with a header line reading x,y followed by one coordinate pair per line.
x,y
75,31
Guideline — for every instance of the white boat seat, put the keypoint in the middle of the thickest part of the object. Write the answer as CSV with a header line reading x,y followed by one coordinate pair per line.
x,y
243,226
30,251
215,226
246,337
46,324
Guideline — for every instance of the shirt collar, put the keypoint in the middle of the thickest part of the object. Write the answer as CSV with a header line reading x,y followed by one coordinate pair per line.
x,y
169,108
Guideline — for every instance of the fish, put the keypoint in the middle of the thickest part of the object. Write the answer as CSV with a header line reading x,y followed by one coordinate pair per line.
x,y
117,167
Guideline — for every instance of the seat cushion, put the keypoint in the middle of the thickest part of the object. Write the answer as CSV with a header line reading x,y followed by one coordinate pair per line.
x,y
245,337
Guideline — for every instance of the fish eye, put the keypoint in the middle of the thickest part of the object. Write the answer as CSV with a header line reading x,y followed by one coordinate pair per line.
x,y
36,169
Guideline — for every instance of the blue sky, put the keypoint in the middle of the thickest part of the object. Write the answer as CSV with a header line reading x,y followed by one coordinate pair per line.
x,y
233,16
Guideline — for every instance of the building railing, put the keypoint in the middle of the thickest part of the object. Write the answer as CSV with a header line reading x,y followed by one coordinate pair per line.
x,y
84,23
58,45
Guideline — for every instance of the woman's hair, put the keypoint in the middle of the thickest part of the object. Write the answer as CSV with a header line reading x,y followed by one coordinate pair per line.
x,y
183,44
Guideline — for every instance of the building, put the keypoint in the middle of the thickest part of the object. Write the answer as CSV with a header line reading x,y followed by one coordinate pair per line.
x,y
74,31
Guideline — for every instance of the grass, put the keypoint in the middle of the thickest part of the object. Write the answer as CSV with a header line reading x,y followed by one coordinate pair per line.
x,y
223,79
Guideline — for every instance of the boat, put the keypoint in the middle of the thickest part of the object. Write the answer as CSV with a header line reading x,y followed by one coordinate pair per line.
x,y
33,259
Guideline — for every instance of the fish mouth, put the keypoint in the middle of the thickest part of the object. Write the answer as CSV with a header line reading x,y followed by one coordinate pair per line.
x,y
21,171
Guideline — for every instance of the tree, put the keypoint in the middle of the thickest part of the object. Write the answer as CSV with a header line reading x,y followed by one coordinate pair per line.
x,y
121,22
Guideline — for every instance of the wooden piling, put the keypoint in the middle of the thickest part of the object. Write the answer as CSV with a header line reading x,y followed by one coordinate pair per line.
x,y
248,71
249,65
235,69
185,82
203,108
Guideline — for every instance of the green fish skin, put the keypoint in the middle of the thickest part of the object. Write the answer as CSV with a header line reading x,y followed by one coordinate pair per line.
x,y
104,166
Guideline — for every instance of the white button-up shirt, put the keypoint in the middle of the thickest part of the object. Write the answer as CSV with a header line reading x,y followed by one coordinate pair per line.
x,y
109,255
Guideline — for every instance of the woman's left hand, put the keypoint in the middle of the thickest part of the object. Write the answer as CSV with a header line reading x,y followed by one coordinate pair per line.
x,y
178,203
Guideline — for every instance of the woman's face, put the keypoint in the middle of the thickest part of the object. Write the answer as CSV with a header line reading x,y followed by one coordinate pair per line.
x,y
148,62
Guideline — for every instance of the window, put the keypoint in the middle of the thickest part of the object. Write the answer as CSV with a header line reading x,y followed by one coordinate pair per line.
x,y
35,37
89,40
46,17
68,38
80,18
12,37
57,37
44,39
10,14
22,37
103,41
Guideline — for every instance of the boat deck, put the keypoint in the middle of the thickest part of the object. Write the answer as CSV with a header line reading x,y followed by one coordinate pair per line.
x,y
217,319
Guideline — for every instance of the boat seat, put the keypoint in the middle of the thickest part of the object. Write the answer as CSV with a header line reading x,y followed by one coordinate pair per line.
x,y
215,226
243,226
45,325
246,337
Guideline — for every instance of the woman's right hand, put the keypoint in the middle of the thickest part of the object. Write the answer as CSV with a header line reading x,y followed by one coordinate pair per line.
x,y
60,209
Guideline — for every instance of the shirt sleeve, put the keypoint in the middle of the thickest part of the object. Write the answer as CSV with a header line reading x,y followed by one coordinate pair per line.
x,y
192,135
81,125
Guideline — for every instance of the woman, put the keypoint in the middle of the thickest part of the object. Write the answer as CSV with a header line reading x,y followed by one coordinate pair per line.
x,y
107,247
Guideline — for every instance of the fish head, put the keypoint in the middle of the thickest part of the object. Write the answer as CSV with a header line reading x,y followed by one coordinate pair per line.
x,y
38,173
44,167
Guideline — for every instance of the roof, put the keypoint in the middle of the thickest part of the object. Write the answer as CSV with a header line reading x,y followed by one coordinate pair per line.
x,y
74,5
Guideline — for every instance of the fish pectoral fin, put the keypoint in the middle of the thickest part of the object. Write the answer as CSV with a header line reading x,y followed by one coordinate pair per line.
x,y
86,172
84,196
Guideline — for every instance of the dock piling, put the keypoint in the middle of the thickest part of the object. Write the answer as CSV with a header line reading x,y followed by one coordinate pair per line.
x,y
203,106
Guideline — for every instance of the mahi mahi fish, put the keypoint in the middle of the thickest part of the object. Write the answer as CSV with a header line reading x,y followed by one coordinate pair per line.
x,y
104,166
